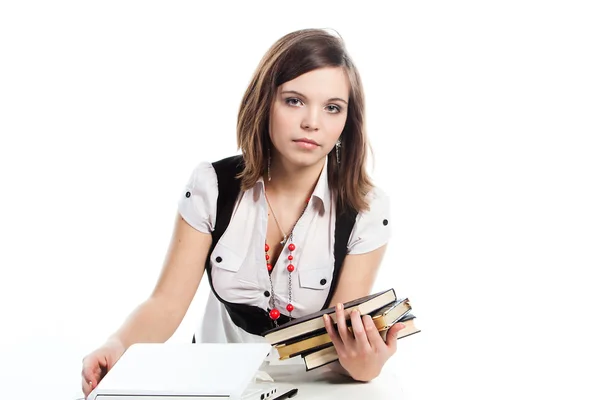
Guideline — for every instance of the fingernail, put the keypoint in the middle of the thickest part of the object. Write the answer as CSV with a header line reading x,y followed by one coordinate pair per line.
x,y
325,317
402,326
339,306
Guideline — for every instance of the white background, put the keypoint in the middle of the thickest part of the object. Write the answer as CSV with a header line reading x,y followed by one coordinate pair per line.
x,y
484,120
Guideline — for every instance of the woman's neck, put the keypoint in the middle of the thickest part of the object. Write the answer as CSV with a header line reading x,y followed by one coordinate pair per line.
x,y
293,182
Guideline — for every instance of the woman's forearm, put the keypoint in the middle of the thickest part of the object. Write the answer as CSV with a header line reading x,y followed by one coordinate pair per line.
x,y
153,321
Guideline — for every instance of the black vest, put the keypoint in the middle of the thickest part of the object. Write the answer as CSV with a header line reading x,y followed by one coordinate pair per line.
x,y
253,319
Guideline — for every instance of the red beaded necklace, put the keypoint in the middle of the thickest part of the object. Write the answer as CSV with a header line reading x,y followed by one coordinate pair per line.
x,y
275,313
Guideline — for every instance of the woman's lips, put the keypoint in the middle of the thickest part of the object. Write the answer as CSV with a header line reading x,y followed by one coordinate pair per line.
x,y
306,143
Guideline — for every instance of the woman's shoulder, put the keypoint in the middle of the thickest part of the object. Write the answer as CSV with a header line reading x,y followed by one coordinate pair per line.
x,y
206,174
203,167
372,227
202,177
198,202
231,165
378,201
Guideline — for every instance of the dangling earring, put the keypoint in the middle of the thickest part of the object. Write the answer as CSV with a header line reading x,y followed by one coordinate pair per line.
x,y
269,164
338,144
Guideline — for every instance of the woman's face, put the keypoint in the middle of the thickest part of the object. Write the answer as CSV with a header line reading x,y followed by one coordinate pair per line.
x,y
308,115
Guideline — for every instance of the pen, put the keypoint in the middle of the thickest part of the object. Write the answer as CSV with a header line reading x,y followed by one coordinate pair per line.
x,y
287,395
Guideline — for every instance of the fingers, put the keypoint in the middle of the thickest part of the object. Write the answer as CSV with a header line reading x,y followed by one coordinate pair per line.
x,y
88,370
335,338
86,374
373,334
341,324
392,336
90,374
360,335
86,386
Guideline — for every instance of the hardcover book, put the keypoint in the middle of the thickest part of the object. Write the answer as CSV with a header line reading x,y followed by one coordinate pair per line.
x,y
328,354
383,319
314,322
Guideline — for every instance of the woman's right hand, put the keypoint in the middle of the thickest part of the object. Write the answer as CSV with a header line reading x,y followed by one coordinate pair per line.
x,y
98,363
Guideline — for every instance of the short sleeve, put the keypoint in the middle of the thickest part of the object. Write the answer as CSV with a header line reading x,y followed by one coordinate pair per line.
x,y
198,200
372,227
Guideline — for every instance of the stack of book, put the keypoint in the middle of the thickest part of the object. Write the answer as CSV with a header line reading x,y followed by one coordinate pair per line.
x,y
307,337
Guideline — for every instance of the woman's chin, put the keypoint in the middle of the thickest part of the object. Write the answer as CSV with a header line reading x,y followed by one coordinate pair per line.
x,y
304,160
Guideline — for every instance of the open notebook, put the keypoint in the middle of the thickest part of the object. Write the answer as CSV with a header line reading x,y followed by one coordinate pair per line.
x,y
186,371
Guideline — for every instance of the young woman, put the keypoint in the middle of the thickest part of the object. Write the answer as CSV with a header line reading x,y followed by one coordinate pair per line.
x,y
291,226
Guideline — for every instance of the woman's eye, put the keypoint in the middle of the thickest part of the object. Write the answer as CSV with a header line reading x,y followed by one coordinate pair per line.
x,y
293,102
333,108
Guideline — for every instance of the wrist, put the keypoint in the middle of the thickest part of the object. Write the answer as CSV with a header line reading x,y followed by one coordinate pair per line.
x,y
115,342
359,376
363,375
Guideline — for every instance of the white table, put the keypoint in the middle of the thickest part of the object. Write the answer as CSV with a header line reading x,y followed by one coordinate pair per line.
x,y
320,383
324,384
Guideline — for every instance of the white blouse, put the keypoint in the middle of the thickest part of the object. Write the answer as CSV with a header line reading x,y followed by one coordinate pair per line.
x,y
241,275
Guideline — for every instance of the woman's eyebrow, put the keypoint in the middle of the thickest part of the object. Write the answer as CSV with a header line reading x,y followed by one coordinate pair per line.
x,y
301,95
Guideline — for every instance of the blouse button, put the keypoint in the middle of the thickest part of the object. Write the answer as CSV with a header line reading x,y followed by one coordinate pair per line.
x,y
385,222
267,294
187,194
323,281
218,259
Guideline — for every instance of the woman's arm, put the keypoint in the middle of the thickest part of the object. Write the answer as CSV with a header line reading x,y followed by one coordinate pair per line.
x,y
157,318
358,276
356,280
362,353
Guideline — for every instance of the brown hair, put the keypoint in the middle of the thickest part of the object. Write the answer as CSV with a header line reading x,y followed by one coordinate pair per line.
x,y
295,54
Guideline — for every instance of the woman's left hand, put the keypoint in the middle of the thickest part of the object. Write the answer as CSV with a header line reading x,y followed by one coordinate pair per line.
x,y
362,352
